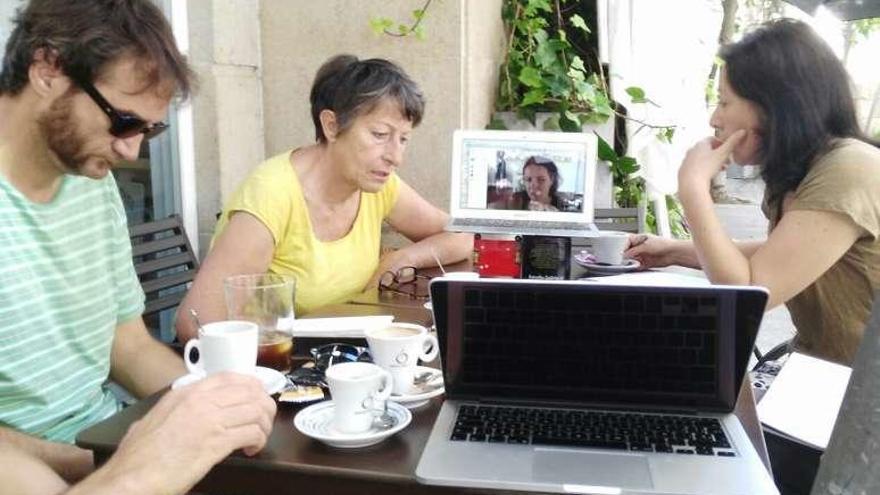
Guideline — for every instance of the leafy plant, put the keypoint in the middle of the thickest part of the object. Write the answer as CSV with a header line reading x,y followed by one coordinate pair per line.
x,y
387,26
629,190
543,71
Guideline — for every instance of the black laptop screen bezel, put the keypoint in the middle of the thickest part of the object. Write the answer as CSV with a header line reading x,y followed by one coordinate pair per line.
x,y
744,304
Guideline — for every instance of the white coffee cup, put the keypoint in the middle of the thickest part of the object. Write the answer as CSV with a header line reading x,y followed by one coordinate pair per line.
x,y
398,349
609,246
224,346
359,391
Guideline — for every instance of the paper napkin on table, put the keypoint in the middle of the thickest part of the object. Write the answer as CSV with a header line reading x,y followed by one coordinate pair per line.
x,y
345,326
804,400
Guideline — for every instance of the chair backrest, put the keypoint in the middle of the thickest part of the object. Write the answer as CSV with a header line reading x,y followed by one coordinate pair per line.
x,y
621,219
164,262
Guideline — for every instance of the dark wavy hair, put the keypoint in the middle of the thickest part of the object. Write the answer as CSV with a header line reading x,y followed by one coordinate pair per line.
x,y
351,87
803,92
552,170
87,35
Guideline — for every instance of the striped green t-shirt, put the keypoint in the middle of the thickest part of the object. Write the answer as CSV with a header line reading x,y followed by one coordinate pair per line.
x,y
66,282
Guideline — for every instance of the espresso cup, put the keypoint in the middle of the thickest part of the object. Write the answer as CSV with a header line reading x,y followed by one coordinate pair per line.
x,y
359,391
224,346
608,247
398,349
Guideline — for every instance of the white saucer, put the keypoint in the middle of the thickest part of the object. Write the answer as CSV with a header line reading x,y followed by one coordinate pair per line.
x,y
273,380
627,266
419,394
316,421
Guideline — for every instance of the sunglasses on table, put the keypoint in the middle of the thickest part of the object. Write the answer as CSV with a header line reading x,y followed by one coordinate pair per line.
x,y
122,124
404,281
325,356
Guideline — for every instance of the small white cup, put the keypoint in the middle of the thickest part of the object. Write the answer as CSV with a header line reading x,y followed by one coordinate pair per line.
x,y
398,349
224,346
609,247
358,391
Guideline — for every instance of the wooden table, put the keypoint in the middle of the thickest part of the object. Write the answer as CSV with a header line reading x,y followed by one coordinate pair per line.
x,y
292,462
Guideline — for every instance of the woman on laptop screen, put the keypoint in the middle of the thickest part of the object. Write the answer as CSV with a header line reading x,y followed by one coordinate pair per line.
x,y
315,212
785,103
540,192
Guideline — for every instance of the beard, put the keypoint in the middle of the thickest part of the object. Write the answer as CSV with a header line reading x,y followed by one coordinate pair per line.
x,y
62,137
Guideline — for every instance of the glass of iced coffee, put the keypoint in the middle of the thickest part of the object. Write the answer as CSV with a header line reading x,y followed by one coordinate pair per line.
x,y
267,300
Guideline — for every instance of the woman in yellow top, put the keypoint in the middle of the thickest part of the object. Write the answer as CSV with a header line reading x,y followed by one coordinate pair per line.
x,y
316,212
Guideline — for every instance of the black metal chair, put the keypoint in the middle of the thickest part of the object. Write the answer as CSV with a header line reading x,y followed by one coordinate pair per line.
x,y
165,265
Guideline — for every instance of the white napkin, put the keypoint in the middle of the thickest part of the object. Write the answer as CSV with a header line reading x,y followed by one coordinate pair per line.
x,y
346,326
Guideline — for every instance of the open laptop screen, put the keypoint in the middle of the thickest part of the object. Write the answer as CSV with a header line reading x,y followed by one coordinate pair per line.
x,y
528,175
593,344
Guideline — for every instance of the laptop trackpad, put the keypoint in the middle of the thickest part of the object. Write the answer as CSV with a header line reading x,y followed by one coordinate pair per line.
x,y
588,468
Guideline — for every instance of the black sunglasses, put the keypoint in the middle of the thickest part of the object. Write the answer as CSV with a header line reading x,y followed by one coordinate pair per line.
x,y
325,356
122,124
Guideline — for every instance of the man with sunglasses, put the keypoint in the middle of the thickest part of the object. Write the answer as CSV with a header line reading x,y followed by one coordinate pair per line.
x,y
83,84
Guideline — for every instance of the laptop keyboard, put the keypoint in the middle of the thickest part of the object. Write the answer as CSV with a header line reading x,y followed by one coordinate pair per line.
x,y
592,429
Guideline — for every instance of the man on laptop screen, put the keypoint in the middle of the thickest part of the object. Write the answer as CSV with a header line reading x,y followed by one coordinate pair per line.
x,y
516,182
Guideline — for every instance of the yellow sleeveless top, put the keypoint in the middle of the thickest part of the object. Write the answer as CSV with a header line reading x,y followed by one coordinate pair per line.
x,y
326,272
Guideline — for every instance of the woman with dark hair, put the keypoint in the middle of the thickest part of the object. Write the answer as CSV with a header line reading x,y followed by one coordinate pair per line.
x,y
785,103
316,212
540,177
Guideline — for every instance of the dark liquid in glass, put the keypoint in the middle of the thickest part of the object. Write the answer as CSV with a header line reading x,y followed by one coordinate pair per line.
x,y
275,350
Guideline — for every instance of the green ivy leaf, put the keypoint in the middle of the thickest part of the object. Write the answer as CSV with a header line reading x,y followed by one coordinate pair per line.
x,y
534,96
606,152
379,24
578,22
666,134
545,55
418,14
531,77
402,29
496,124
552,123
419,32
637,94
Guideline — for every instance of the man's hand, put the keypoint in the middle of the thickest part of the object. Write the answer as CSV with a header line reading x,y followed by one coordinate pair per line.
x,y
188,431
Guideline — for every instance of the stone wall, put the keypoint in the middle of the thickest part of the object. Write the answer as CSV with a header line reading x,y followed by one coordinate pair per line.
x,y
257,58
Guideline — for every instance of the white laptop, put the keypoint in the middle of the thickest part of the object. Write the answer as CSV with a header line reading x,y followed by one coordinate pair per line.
x,y
490,172
580,387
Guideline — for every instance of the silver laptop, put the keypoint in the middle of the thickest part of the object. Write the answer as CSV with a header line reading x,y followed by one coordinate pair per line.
x,y
578,387
497,176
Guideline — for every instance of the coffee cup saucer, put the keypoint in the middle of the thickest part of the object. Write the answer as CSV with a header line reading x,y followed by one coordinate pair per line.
x,y
316,421
273,380
419,395
628,265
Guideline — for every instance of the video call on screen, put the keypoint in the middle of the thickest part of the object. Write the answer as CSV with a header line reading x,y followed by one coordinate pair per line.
x,y
494,175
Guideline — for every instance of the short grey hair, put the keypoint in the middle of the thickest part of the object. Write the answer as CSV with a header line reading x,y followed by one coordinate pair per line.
x,y
351,87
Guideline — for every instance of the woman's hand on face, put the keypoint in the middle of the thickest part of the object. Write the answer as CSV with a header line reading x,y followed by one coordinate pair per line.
x,y
651,251
705,159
